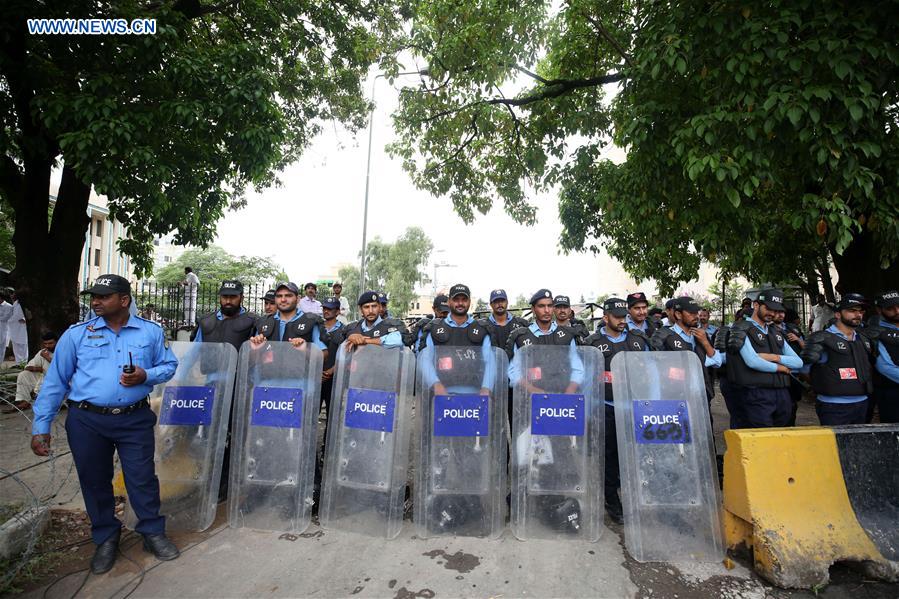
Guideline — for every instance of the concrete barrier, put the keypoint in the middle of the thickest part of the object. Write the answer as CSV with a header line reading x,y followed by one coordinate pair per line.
x,y
804,498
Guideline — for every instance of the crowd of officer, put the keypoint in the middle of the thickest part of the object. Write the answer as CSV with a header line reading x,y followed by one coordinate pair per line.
x,y
105,368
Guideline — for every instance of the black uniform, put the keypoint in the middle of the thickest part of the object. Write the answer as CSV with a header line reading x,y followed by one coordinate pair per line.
x,y
886,391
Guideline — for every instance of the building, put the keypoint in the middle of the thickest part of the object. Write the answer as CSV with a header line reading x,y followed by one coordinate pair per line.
x,y
165,252
100,254
422,305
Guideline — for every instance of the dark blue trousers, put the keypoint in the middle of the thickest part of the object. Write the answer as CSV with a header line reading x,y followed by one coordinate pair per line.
x,y
612,469
93,439
764,408
837,414
733,398
887,403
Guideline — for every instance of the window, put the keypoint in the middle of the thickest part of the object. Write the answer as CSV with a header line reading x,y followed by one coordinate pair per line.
x,y
156,242
97,256
166,258
98,229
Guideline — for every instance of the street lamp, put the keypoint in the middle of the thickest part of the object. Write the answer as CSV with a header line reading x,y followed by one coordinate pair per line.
x,y
371,122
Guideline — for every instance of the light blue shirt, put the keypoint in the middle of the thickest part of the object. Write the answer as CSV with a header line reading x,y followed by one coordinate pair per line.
x,y
88,361
713,361
574,360
752,359
710,330
633,325
823,360
429,371
282,326
885,364
394,339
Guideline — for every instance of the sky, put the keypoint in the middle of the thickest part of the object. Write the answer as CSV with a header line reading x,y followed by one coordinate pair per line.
x,y
323,196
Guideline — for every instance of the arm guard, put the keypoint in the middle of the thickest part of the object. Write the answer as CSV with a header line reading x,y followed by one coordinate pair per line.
x,y
814,348
657,341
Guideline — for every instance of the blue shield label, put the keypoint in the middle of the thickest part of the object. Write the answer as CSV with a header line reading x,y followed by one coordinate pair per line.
x,y
370,409
187,406
557,414
464,415
279,407
661,421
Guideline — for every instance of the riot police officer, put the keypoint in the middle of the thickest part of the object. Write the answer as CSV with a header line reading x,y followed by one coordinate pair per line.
x,y
615,336
289,323
684,334
457,329
886,374
638,313
840,360
500,322
759,361
106,367
564,316
787,322
268,303
334,328
441,310
231,323
372,329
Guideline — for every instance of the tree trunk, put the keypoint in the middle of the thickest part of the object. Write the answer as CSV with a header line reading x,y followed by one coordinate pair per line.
x,y
859,271
48,257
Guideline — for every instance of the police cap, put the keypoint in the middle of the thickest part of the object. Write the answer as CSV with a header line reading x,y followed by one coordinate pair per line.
x,y
562,300
269,296
615,306
108,284
459,289
232,287
541,294
440,303
852,300
382,298
686,304
887,299
498,294
635,298
772,298
367,297
331,302
288,285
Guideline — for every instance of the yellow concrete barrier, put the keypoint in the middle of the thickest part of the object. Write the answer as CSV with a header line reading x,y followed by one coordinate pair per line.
x,y
786,497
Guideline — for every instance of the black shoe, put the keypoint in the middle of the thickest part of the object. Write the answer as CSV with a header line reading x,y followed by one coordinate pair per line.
x,y
615,511
161,547
106,553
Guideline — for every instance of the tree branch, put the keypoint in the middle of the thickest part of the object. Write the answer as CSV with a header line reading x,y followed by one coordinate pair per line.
x,y
608,37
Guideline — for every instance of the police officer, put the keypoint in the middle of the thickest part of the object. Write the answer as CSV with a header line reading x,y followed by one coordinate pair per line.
x,y
759,361
383,302
564,316
638,313
684,334
840,361
669,313
372,329
441,310
787,322
557,511
268,303
408,339
334,328
704,324
615,336
106,367
500,322
231,323
457,329
886,375
289,323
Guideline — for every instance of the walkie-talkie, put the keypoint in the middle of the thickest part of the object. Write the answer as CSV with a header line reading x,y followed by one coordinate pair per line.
x,y
129,367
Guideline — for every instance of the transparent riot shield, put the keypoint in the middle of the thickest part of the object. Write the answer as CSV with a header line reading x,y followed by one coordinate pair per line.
x,y
557,442
460,486
273,445
192,409
366,461
669,478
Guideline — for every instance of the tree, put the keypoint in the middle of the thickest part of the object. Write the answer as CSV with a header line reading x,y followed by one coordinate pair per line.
x,y
397,268
172,128
725,304
760,137
214,265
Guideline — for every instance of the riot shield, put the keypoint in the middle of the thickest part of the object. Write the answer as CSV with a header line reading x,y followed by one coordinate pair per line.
x,y
192,410
273,451
557,442
460,484
669,478
366,461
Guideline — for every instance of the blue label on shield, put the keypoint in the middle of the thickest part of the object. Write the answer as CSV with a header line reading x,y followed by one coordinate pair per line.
x,y
187,406
279,407
557,414
370,409
661,421
466,415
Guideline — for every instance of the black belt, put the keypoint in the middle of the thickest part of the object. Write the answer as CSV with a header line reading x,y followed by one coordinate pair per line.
x,y
84,405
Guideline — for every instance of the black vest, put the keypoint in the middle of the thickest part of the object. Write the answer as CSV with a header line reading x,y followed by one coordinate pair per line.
x,y
228,330
578,330
302,327
499,335
335,338
848,369
890,339
632,342
772,343
456,366
553,378
671,341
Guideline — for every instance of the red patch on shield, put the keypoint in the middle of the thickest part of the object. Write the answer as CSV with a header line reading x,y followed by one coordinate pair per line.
x,y
445,363
268,357
848,374
607,377
535,374
677,374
